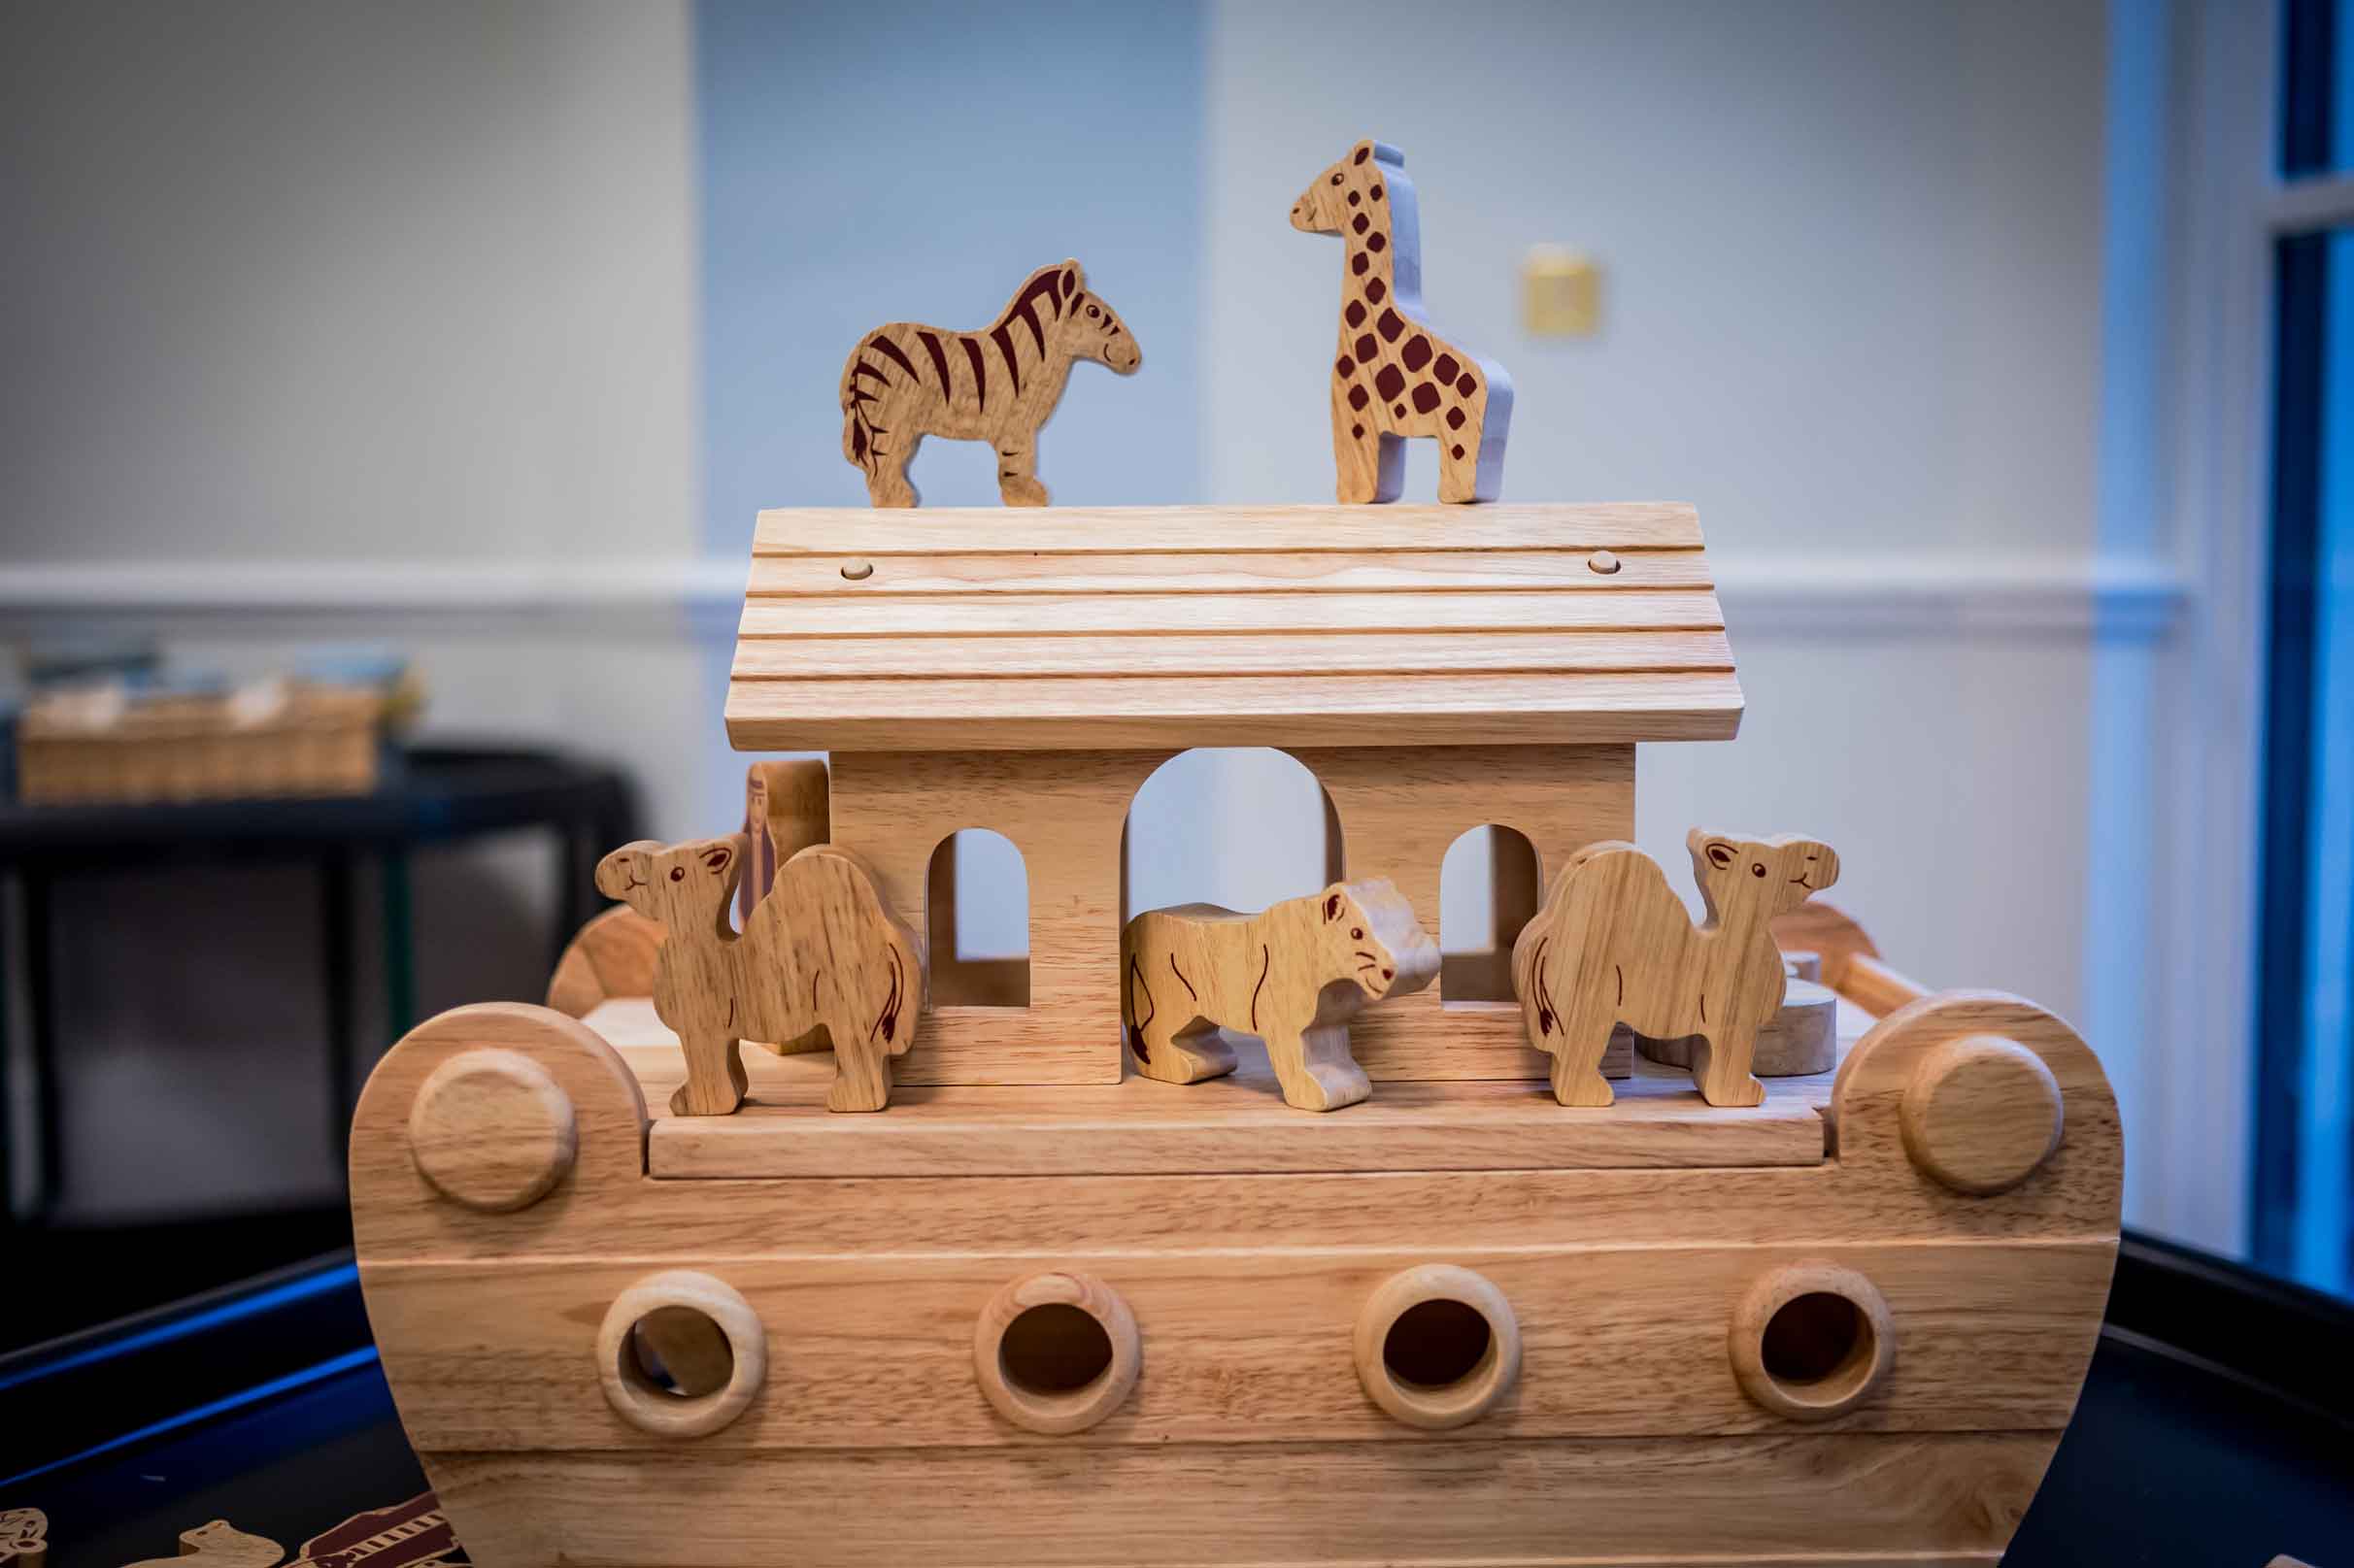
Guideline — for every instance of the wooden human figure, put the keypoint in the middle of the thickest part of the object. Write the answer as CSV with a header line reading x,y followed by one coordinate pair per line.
x,y
1393,377
1613,944
822,950
1293,975
788,807
905,381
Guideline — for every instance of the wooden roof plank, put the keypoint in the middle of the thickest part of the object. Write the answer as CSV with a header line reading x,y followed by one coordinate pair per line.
x,y
1267,572
1410,654
1223,530
1083,712
1071,614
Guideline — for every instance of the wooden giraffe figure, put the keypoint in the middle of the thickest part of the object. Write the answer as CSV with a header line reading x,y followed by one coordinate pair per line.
x,y
906,380
1393,377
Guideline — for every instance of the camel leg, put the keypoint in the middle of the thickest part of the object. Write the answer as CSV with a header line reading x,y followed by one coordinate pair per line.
x,y
1018,470
1581,1036
861,1080
1720,1068
715,1077
1314,1068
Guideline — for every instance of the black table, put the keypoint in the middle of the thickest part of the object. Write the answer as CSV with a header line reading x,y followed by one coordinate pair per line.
x,y
2217,1428
428,795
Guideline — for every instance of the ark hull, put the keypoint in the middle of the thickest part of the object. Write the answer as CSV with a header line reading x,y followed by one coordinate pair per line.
x,y
1666,1407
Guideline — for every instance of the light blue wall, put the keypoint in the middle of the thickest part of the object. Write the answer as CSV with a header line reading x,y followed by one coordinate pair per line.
x,y
915,161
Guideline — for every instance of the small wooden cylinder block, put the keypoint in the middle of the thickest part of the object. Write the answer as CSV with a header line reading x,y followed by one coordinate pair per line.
x,y
490,1129
1811,1341
1981,1113
1437,1347
1057,1352
645,1404
1801,1038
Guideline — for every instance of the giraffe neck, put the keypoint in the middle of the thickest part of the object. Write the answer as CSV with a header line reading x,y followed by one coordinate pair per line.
x,y
1380,266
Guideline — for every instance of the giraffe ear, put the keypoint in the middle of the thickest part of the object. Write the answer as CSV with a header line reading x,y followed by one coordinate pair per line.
x,y
1378,153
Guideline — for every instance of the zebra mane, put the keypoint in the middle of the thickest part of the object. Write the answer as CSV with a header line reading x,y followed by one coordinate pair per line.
x,y
1045,285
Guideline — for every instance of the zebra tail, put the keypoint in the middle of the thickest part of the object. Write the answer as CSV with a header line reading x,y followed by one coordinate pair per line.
x,y
858,436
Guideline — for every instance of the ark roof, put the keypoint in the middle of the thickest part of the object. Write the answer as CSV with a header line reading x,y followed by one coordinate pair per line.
x,y
1068,629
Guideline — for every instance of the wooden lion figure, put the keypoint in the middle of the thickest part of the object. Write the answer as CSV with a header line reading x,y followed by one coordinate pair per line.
x,y
821,960
1613,944
906,380
1293,976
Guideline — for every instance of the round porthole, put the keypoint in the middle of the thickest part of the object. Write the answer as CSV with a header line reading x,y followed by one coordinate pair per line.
x,y
1057,1352
681,1353
1811,1341
1437,1346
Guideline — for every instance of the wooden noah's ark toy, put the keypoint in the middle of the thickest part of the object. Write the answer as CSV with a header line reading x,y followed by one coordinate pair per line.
x,y
1044,1309
797,1237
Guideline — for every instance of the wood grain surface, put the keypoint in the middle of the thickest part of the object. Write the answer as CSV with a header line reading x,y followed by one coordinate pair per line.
x,y
1920,1502
1235,1124
1203,626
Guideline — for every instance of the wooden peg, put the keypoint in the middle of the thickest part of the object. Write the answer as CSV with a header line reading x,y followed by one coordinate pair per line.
x,y
822,950
1293,975
218,1545
906,380
1613,944
788,807
1392,376
23,1538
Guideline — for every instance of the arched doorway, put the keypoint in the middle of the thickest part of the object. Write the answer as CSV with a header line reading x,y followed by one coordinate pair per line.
x,y
976,903
1488,890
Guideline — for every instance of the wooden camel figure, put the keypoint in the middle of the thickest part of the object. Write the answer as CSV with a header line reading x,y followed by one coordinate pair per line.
x,y
1393,377
1613,944
906,380
823,952
1293,976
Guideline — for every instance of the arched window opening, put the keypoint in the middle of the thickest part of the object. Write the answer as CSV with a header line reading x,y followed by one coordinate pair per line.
x,y
976,901
1242,827
1488,887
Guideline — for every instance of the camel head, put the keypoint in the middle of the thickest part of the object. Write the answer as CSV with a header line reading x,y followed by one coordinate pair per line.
x,y
679,887
1781,873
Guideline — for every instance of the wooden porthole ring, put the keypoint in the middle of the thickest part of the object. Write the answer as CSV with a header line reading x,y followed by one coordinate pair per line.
x,y
1055,1353
1811,1341
1437,1347
647,1406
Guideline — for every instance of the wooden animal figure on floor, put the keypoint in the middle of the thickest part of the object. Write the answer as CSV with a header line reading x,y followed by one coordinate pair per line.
x,y
399,1535
822,950
1612,943
1293,976
23,1538
1392,376
906,380
218,1545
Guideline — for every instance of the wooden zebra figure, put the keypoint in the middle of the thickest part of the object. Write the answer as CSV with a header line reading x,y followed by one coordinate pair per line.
x,y
907,381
